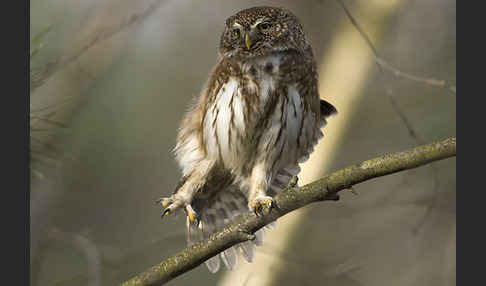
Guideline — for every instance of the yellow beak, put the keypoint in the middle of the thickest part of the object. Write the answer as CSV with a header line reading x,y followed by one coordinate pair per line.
x,y
247,41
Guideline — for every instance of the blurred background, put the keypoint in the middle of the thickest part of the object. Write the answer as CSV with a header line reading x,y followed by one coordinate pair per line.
x,y
112,79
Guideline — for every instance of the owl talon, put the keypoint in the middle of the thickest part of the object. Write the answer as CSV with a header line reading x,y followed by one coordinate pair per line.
x,y
293,182
174,203
191,214
262,205
166,212
255,211
272,205
164,201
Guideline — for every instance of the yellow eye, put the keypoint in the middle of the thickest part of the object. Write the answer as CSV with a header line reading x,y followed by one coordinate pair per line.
x,y
263,26
236,33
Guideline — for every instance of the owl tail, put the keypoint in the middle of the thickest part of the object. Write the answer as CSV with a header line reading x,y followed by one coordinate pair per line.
x,y
327,109
222,209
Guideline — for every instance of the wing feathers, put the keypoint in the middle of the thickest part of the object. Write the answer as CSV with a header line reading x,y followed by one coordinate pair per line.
x,y
327,109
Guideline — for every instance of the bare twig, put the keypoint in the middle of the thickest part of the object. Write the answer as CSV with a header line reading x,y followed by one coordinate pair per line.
x,y
406,122
384,65
435,173
326,188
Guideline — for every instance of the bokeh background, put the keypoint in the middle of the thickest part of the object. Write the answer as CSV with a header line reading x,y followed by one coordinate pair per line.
x,y
111,80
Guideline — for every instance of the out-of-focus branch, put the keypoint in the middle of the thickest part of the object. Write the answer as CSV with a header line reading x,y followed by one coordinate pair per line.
x,y
384,65
54,236
109,32
112,267
43,112
43,73
89,249
56,88
292,198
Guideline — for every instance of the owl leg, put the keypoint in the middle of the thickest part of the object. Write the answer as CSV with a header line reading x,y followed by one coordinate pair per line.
x,y
258,201
184,194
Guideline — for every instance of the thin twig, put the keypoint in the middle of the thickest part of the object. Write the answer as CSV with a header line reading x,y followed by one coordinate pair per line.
x,y
65,100
406,122
384,65
435,173
326,188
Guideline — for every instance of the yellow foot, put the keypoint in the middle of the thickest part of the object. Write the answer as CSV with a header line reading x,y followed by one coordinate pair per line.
x,y
174,203
261,205
293,182
191,214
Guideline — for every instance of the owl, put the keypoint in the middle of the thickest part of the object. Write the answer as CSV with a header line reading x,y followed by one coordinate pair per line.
x,y
257,118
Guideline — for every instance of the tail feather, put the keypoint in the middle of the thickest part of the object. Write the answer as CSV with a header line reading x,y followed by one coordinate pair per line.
x,y
219,211
213,264
259,236
230,258
227,211
246,249
196,233
271,225
327,109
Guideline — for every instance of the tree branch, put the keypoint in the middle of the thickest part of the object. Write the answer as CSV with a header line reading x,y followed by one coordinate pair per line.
x,y
384,65
292,198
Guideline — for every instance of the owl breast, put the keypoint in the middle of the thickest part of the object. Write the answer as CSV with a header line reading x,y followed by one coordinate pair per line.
x,y
258,117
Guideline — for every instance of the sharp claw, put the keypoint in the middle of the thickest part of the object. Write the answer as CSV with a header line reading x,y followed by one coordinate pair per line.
x,y
272,205
191,214
166,212
255,210
163,201
293,181
191,217
262,206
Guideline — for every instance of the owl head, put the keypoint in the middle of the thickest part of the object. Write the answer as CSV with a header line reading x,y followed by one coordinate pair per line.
x,y
259,31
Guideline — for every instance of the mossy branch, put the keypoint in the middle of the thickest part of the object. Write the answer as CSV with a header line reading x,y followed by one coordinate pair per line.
x,y
292,198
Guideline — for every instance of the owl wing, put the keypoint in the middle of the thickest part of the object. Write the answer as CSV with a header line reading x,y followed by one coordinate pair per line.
x,y
295,65
283,177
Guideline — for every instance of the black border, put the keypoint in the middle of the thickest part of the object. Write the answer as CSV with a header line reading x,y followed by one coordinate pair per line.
x,y
16,141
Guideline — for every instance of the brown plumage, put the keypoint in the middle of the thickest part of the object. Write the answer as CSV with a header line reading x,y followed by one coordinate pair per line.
x,y
258,117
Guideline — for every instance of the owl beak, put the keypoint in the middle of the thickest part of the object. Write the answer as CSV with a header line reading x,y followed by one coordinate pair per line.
x,y
248,42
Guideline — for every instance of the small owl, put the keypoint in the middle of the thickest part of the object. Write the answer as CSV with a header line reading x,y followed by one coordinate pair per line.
x,y
258,117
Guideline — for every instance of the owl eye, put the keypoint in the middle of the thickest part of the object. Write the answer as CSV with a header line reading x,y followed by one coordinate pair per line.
x,y
263,26
236,33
